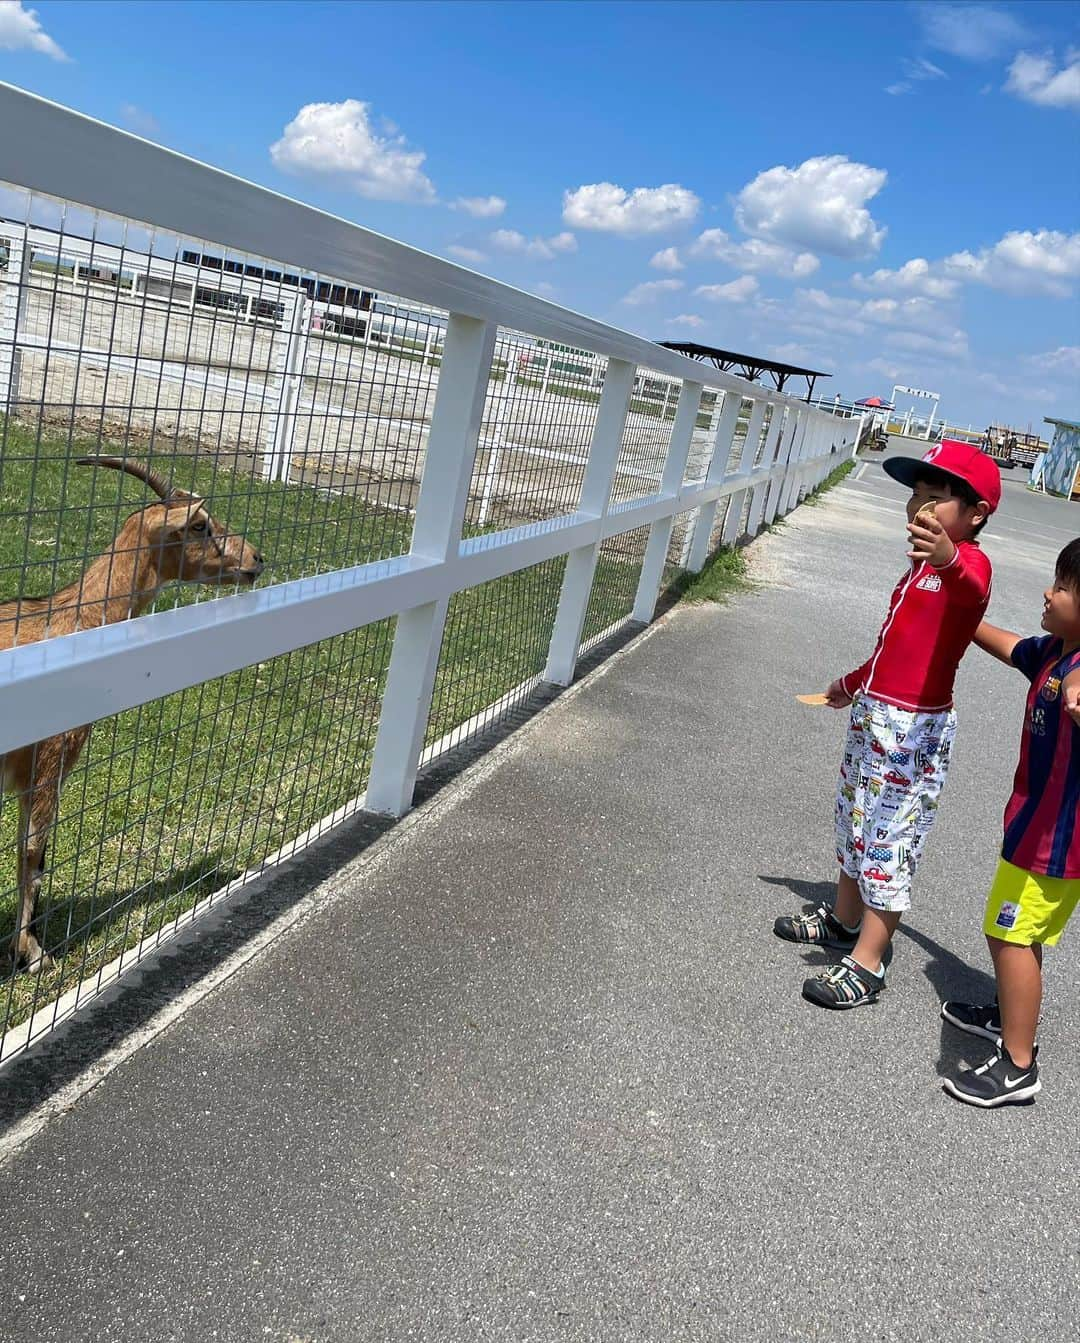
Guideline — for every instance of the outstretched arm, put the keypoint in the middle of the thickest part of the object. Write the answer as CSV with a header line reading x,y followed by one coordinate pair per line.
x,y
1070,688
998,643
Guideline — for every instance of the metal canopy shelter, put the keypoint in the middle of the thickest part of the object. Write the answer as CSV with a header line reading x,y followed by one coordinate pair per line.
x,y
747,366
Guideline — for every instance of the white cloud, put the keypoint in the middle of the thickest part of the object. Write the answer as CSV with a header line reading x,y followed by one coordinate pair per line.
x,y
140,121
885,367
755,255
480,207
667,259
916,276
686,319
791,352
337,140
946,344
922,69
737,291
608,208
1037,79
20,30
1023,262
540,249
972,32
820,206
912,323
651,289
915,72
1065,357
469,254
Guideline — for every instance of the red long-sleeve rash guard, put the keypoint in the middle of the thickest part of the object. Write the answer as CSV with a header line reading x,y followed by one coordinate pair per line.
x,y
932,617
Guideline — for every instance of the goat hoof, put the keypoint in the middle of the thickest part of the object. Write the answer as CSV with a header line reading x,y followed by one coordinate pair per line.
x,y
31,960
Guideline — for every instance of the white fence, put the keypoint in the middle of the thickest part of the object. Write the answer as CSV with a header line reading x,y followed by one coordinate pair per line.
x,y
619,486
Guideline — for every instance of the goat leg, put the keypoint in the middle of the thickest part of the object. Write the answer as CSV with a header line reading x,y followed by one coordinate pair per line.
x,y
52,760
33,838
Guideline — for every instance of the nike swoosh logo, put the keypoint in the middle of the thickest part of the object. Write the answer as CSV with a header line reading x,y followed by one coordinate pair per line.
x,y
1012,1082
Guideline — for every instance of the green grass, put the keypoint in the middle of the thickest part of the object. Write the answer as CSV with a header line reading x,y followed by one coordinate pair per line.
x,y
174,799
831,480
724,575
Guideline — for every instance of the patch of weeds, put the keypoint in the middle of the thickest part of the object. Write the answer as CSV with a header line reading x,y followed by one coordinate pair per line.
x,y
831,480
725,574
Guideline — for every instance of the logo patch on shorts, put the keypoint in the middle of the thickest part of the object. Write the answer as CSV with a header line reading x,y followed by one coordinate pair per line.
x,y
1008,914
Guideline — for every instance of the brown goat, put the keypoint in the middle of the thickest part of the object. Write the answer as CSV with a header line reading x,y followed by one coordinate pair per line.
x,y
175,540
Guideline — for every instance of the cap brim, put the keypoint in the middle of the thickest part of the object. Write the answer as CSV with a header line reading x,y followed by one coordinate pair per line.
x,y
908,469
905,469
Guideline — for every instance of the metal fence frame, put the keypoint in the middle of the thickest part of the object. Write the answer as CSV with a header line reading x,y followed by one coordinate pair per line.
x,y
60,683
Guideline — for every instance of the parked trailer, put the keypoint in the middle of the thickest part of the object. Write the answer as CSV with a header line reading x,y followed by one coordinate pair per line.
x,y
1011,447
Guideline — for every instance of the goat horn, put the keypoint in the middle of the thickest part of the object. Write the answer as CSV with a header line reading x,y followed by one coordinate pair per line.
x,y
158,484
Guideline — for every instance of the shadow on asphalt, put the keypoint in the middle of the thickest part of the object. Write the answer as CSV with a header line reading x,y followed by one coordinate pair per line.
x,y
948,974
30,1079
952,977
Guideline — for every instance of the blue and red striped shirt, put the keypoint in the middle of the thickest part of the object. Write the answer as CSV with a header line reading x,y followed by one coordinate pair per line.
x,y
1042,820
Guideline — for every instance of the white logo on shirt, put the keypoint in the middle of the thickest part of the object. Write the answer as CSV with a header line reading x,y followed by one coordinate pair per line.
x,y
930,583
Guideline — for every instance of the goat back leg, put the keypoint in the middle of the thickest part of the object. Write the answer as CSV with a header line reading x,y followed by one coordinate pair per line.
x,y
27,950
52,761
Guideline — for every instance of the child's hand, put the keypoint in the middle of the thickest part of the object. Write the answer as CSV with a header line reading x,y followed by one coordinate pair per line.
x,y
839,698
1072,703
930,541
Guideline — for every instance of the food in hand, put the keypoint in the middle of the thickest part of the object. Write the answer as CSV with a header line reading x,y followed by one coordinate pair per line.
x,y
927,511
816,700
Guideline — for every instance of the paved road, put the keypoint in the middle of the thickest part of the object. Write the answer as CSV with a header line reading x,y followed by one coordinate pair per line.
x,y
541,1071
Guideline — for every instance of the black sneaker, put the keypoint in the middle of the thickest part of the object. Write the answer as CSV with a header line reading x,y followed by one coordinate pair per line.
x,y
997,1082
848,984
976,1019
820,929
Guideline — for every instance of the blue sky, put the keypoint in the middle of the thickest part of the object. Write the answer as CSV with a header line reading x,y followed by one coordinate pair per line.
x,y
887,191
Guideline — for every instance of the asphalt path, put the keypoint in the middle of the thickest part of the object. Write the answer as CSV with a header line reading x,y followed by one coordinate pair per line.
x,y
539,1069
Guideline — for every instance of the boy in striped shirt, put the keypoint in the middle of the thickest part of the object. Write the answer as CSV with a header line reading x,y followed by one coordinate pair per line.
x,y
1037,884
902,720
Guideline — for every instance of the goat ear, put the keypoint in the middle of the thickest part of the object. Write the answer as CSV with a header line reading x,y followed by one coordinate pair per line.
x,y
180,509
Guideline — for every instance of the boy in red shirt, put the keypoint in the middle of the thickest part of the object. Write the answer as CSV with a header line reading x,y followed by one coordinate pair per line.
x,y
1037,884
902,721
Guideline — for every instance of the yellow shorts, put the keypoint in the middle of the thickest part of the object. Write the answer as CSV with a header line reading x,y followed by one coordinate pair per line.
x,y
1026,907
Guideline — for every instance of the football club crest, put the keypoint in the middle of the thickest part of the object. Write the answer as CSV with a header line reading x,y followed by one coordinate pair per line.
x,y
1052,689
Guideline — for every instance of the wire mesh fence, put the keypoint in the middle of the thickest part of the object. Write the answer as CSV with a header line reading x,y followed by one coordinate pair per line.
x,y
618,568
174,802
704,444
538,422
182,421
493,652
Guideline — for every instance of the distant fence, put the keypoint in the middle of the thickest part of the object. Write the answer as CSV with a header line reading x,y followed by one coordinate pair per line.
x,y
444,505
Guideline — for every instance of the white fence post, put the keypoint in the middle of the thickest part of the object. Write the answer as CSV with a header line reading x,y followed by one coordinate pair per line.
x,y
12,313
595,496
807,440
698,551
652,567
750,446
796,416
277,463
440,510
761,492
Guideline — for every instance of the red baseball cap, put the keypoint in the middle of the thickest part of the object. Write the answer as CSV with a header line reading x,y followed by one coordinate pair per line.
x,y
963,460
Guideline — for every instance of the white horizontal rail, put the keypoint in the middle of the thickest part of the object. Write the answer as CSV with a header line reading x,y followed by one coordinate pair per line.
x,y
68,156
60,683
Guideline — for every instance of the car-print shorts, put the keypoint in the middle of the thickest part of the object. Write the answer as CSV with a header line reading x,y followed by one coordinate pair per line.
x,y
894,766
